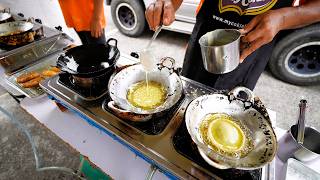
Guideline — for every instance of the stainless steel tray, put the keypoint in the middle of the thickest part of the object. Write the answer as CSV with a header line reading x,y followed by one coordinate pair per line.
x,y
297,170
37,67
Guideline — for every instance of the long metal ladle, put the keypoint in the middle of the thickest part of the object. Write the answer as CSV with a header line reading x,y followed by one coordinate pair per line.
x,y
155,34
301,121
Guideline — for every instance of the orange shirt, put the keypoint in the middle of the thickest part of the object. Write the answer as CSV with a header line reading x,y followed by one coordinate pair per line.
x,y
78,14
199,6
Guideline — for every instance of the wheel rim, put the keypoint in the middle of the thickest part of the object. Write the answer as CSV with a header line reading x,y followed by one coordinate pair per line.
x,y
304,60
126,16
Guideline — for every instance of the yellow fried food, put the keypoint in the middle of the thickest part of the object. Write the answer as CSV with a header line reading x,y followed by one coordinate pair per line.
x,y
147,95
49,73
55,69
32,83
27,77
226,135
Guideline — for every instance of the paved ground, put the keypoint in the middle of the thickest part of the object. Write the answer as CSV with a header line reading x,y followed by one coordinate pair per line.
x,y
16,158
278,96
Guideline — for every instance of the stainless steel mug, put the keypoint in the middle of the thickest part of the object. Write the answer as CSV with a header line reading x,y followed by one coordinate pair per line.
x,y
289,146
220,50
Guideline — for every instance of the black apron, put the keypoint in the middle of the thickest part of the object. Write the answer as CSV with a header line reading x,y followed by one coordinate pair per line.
x,y
229,14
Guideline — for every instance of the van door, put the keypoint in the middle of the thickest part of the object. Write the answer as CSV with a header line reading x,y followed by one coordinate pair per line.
x,y
187,11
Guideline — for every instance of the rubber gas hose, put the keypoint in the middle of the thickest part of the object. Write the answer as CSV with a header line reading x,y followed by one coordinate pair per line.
x,y
34,149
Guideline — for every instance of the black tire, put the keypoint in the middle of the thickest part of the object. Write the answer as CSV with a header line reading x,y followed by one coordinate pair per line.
x,y
296,57
128,16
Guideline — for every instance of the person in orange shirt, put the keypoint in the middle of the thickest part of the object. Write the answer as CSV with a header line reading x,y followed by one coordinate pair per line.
x,y
87,18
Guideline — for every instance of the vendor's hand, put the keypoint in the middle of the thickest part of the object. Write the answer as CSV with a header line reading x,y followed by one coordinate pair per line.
x,y
160,12
260,31
96,27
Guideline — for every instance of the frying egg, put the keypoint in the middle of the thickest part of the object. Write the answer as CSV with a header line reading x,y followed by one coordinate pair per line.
x,y
147,95
226,135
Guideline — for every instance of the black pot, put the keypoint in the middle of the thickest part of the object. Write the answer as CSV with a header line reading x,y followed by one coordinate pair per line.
x,y
90,65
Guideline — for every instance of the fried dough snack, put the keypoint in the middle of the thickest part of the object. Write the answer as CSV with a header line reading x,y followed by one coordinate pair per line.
x,y
27,77
55,69
32,83
49,73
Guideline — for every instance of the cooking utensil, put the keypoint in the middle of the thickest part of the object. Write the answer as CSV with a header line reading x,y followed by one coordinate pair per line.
x,y
289,146
90,65
155,34
16,27
165,74
301,121
297,170
147,58
4,16
220,50
300,141
16,33
241,105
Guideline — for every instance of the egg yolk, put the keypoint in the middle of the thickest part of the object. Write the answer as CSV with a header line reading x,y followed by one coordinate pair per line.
x,y
225,134
147,95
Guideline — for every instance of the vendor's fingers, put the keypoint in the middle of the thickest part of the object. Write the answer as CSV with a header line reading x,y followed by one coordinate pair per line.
x,y
157,13
252,35
251,48
251,25
244,45
100,32
149,16
93,33
168,13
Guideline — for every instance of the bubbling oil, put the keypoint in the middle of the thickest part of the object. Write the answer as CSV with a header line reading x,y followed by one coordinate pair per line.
x,y
226,135
147,95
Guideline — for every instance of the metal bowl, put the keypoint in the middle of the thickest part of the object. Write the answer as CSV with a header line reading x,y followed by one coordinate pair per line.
x,y
122,81
15,27
4,16
250,112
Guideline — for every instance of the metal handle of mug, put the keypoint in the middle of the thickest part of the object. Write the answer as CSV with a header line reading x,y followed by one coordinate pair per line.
x,y
115,42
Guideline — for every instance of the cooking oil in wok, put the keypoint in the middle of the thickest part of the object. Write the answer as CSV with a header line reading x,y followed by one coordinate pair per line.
x,y
226,135
147,95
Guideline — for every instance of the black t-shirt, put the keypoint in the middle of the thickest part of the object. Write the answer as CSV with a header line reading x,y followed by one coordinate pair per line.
x,y
237,13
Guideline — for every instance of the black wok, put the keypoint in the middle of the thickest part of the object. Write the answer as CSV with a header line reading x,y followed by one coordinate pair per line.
x,y
90,65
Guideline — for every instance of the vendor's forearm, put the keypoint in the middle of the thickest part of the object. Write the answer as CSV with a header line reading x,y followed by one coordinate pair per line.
x,y
98,8
176,4
306,14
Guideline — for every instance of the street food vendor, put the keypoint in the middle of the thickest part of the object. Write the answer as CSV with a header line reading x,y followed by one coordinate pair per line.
x,y
87,18
259,22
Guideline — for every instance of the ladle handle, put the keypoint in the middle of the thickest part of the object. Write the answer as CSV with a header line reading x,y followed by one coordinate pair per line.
x,y
114,40
169,64
301,121
243,94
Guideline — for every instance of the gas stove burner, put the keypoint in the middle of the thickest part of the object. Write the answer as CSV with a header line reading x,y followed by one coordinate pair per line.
x,y
183,143
86,94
